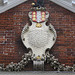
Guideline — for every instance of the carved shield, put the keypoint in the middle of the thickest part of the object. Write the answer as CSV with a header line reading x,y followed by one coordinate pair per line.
x,y
38,16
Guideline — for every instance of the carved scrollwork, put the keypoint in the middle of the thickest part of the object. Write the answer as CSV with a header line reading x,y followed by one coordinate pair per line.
x,y
51,28
25,29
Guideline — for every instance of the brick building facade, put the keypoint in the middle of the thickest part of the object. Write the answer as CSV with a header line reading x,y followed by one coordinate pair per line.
x,y
13,21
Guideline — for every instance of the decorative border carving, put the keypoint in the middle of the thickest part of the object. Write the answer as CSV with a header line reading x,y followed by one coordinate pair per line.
x,y
27,58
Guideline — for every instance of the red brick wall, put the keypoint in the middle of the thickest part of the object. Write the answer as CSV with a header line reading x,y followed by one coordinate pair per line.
x,y
13,21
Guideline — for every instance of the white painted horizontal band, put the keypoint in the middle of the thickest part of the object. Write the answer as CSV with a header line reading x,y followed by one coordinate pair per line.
x,y
66,4
10,4
73,2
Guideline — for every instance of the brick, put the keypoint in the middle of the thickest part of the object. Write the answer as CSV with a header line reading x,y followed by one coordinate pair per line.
x,y
12,22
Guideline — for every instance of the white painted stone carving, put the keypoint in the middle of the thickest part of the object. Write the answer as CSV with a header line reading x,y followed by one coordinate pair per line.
x,y
38,36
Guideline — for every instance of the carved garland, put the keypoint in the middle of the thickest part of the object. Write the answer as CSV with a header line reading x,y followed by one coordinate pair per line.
x,y
27,57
